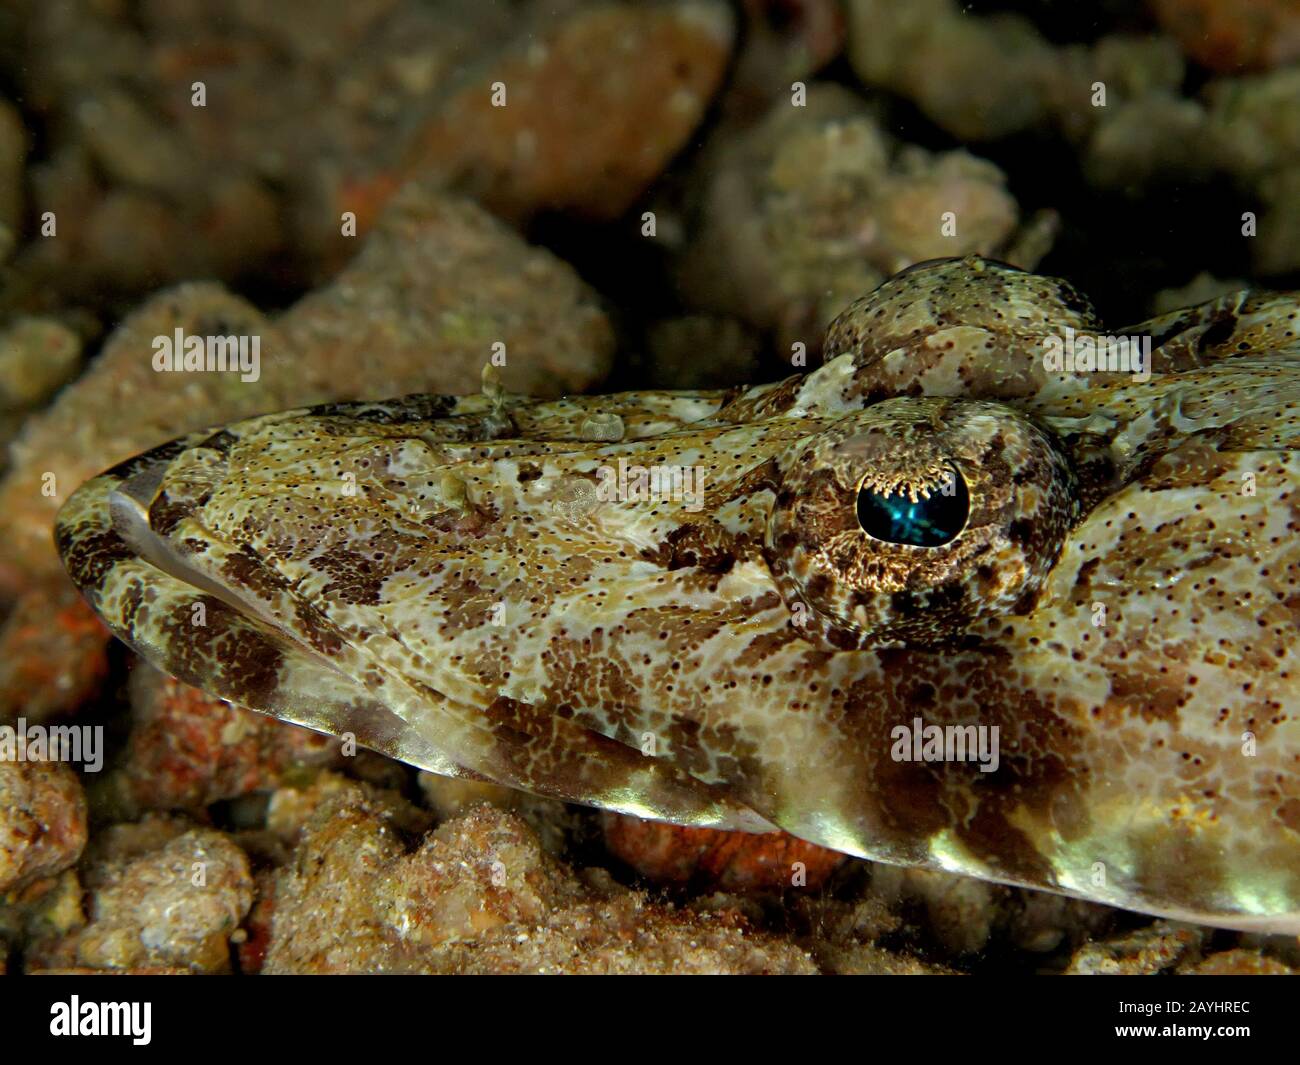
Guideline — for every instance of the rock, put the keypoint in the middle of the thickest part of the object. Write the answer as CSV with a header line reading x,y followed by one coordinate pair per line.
x,y
438,284
42,913
582,113
42,821
843,934
711,860
985,77
38,356
1154,138
1149,950
558,825
163,894
1233,35
292,809
187,750
321,109
479,894
978,77
1240,962
13,156
294,104
817,205
53,651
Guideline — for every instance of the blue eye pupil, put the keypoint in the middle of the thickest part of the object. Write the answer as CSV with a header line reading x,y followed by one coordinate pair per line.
x,y
924,522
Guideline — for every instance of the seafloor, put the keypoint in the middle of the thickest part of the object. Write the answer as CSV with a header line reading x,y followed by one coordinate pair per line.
x,y
677,193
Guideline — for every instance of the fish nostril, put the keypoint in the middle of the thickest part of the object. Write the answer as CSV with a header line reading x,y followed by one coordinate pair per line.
x,y
924,521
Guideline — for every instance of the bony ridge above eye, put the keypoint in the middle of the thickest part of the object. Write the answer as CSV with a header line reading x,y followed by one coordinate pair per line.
x,y
910,521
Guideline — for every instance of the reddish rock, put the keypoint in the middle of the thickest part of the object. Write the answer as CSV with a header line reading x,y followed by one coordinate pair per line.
x,y
314,108
708,859
251,946
1233,35
595,107
300,96
187,749
53,651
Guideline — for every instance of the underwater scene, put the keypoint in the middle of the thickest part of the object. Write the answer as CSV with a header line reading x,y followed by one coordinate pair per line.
x,y
674,487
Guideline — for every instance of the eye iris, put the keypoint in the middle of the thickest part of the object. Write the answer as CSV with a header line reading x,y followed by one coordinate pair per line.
x,y
923,522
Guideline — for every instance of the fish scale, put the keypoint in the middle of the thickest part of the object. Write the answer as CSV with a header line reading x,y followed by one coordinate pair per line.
x,y
1115,592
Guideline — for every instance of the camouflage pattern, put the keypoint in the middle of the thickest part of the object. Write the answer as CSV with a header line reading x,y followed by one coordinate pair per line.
x,y
469,584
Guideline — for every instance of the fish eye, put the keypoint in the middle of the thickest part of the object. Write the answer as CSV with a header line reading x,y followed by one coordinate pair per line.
x,y
916,519
929,516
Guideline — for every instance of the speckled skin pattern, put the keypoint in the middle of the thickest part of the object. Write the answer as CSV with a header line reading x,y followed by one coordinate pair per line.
x,y
445,579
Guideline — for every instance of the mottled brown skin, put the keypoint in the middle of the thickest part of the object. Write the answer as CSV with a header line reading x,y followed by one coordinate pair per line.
x,y
446,579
